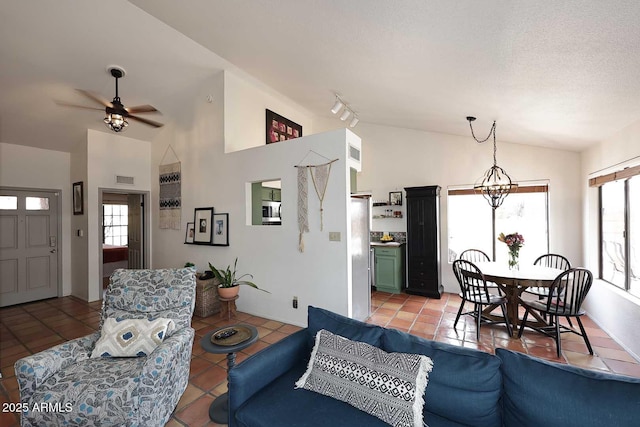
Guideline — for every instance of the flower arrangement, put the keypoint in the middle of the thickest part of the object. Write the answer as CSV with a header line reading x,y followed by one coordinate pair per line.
x,y
514,242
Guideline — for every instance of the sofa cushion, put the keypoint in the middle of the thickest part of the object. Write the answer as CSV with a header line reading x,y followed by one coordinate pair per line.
x,y
319,318
538,393
389,386
280,404
465,385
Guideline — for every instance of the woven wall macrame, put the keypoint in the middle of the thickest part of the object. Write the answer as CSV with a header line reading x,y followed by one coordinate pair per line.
x,y
320,178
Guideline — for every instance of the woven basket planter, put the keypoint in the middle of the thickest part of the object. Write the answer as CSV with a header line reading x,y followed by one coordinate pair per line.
x,y
207,301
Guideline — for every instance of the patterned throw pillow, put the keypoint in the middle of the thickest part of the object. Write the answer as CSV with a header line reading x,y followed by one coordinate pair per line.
x,y
389,386
131,337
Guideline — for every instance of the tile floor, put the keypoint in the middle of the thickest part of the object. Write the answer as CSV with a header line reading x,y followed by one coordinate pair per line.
x,y
29,328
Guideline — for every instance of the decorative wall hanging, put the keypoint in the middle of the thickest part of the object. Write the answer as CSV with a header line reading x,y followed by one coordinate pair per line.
x,y
220,229
188,238
78,198
280,128
203,226
170,193
320,177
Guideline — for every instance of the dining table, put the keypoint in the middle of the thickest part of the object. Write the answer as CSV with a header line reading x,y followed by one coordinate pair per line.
x,y
513,282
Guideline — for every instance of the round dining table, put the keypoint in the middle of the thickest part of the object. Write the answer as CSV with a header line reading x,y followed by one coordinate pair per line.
x,y
513,283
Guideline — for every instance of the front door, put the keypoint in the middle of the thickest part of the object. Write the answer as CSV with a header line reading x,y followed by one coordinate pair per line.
x,y
28,246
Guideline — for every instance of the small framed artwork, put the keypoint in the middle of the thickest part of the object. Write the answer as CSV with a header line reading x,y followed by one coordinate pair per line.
x,y
203,225
280,128
220,229
78,198
395,198
188,238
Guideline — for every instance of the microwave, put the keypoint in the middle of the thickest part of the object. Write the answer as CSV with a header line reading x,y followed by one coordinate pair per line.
x,y
271,212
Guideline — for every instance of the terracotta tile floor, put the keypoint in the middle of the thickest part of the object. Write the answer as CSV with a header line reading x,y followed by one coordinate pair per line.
x,y
29,328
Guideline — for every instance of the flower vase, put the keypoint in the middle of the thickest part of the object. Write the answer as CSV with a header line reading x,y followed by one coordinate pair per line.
x,y
514,263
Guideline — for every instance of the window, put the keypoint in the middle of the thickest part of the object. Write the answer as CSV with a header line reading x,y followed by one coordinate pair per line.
x,y
115,219
37,203
474,225
620,233
9,203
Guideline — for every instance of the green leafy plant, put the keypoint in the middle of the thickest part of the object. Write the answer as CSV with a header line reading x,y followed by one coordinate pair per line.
x,y
228,279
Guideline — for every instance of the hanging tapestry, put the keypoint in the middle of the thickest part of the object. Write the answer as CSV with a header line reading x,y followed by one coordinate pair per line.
x,y
170,196
303,212
320,177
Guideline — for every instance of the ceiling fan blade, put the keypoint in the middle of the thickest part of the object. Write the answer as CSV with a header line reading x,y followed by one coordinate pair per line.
x,y
96,98
146,121
142,109
66,104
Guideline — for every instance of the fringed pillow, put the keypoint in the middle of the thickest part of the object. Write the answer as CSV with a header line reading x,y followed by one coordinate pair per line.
x,y
389,386
131,337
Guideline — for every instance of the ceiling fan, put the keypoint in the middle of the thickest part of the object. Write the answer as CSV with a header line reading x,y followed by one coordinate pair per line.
x,y
116,113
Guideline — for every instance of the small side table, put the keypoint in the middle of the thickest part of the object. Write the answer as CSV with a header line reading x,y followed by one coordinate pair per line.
x,y
228,307
219,409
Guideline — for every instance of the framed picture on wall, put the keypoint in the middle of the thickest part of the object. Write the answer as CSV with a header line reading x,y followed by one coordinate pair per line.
x,y
221,229
395,198
78,198
189,236
203,225
280,128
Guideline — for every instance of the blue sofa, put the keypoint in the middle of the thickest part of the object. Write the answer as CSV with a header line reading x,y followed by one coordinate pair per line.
x,y
466,387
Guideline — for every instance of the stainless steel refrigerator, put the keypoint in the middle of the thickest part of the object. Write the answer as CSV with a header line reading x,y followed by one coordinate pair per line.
x,y
360,256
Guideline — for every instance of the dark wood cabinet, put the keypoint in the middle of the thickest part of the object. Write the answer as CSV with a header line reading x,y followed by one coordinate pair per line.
x,y
423,241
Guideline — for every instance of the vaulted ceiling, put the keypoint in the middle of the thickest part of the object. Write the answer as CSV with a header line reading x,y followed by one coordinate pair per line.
x,y
557,74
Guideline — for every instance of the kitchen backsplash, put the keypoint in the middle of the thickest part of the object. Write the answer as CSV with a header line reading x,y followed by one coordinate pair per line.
x,y
398,236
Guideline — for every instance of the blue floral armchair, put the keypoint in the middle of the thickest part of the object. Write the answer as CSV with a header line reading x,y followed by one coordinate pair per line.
x,y
64,386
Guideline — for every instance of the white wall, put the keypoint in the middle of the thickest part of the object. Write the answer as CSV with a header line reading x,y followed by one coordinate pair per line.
x,y
319,276
614,311
245,103
27,167
79,248
108,155
396,158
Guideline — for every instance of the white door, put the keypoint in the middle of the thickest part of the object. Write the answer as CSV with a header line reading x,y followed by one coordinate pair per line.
x,y
135,231
28,246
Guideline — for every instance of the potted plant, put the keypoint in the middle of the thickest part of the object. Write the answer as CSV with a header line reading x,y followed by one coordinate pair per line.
x,y
229,283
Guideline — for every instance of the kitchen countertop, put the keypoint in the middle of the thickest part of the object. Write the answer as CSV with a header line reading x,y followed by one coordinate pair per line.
x,y
374,243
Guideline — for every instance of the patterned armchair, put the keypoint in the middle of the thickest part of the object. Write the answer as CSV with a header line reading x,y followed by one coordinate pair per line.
x,y
64,386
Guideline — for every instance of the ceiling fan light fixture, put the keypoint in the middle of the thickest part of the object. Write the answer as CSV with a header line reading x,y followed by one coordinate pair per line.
x,y
345,115
116,122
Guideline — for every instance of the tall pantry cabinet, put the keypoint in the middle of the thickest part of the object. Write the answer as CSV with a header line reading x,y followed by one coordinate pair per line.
x,y
423,241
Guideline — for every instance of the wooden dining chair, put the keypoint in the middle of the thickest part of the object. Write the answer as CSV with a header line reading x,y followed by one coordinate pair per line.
x,y
568,292
474,255
474,289
551,261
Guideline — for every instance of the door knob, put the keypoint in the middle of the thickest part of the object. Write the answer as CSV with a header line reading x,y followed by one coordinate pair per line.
x,y
53,251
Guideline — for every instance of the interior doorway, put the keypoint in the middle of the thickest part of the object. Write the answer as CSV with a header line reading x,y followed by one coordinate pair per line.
x,y
123,231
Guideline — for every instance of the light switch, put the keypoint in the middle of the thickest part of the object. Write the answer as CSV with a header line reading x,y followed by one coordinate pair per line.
x,y
334,236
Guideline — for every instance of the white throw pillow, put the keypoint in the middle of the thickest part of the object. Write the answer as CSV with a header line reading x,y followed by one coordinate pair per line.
x,y
131,337
389,386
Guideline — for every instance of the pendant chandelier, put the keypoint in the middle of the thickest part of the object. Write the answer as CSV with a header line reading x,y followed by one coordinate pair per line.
x,y
495,185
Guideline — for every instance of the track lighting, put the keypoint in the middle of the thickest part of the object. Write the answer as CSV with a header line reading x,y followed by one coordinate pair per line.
x,y
345,115
337,106
346,111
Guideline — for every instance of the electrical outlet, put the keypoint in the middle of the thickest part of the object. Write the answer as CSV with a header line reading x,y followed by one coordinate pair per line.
x,y
334,236
295,302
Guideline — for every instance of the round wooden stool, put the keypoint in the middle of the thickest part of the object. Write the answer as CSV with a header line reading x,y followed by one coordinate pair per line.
x,y
228,306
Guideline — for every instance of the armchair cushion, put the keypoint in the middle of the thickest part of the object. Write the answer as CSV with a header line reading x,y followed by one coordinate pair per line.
x,y
131,337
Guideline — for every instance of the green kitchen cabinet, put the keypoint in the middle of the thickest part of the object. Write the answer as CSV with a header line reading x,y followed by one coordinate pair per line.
x,y
389,268
271,194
